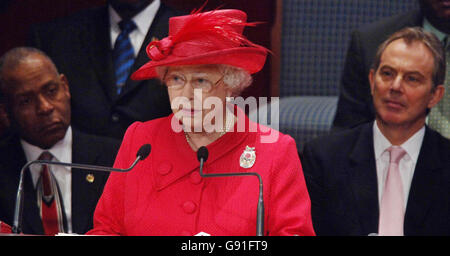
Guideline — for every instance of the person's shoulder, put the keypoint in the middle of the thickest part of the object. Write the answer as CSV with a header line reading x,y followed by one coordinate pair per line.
x,y
101,143
9,144
95,138
152,124
391,24
441,143
339,140
8,137
76,20
84,15
149,128
12,157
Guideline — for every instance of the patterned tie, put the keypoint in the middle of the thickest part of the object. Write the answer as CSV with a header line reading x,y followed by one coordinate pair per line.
x,y
123,53
439,117
48,200
392,201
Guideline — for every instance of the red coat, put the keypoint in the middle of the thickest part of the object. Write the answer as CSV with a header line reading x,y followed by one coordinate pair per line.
x,y
165,195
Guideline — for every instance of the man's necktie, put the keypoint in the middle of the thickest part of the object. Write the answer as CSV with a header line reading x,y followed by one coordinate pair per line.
x,y
48,200
392,210
439,117
123,53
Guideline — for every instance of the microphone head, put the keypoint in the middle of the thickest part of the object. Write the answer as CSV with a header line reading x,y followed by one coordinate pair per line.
x,y
202,152
144,151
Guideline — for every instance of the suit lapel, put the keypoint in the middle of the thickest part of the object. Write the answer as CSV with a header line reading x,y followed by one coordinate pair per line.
x,y
96,41
159,29
83,191
363,180
31,216
425,182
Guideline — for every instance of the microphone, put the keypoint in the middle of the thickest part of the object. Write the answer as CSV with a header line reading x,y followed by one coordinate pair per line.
x,y
202,156
142,153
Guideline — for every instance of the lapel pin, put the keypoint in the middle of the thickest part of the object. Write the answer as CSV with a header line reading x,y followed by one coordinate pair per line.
x,y
248,157
90,178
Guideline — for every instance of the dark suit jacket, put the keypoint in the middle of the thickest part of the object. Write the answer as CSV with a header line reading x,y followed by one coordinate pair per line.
x,y
341,177
80,46
86,149
355,104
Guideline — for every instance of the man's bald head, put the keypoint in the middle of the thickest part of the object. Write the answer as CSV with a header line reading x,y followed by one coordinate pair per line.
x,y
12,59
36,98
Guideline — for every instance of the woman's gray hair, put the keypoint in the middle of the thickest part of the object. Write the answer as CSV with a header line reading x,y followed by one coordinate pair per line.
x,y
237,79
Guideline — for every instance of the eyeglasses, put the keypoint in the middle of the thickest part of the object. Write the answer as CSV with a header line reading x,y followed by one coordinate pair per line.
x,y
177,81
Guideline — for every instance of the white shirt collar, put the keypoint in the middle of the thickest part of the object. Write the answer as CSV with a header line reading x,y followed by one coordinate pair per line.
x,y
411,146
143,20
61,151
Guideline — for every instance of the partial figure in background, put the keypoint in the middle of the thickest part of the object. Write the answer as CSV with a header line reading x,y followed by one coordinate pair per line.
x,y
97,49
36,99
390,176
355,104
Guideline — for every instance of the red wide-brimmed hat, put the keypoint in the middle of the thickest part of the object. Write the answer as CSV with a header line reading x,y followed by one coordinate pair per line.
x,y
213,37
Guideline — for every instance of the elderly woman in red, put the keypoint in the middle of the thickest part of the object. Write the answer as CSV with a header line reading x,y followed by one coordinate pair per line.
x,y
204,58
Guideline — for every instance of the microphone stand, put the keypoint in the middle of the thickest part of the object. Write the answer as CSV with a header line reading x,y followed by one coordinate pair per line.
x,y
18,210
260,207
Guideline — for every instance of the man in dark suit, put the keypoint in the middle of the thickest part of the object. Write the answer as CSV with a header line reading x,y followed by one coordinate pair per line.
x,y
83,48
355,101
36,99
353,176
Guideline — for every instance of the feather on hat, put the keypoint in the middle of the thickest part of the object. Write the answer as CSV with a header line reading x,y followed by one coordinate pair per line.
x,y
213,37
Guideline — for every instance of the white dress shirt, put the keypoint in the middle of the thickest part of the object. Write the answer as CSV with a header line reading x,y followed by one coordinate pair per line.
x,y
406,165
62,152
143,22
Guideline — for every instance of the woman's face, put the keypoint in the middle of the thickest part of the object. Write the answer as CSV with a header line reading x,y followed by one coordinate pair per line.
x,y
197,95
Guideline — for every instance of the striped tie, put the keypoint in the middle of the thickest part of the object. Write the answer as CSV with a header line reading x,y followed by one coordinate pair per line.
x,y
123,53
49,201
439,118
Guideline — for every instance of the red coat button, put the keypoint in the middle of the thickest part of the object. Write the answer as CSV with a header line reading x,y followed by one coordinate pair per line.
x,y
189,207
164,168
195,178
